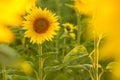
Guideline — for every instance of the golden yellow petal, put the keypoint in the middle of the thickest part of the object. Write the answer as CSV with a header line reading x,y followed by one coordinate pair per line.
x,y
6,35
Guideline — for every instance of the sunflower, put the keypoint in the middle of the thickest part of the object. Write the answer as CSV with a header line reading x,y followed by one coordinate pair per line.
x,y
69,29
26,67
84,6
11,15
40,25
6,35
12,10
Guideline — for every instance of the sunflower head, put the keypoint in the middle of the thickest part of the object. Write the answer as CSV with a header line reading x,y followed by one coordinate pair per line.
x,y
26,67
68,27
12,10
6,35
40,25
84,6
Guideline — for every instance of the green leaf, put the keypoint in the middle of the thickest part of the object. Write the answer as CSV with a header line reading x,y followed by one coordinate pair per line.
x,y
76,66
69,5
48,54
53,68
20,77
75,53
81,66
7,54
62,77
88,66
112,65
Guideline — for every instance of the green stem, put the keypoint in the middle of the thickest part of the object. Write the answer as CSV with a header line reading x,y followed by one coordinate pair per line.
x,y
40,62
96,57
79,28
36,74
58,6
4,73
44,77
90,74
95,62
91,54
64,44
39,2
100,75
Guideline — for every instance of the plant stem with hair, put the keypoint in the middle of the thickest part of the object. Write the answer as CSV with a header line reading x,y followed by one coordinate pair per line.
x,y
58,6
64,47
40,62
96,57
78,28
4,73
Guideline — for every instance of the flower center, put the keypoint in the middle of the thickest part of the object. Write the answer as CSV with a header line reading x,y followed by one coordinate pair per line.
x,y
68,28
40,25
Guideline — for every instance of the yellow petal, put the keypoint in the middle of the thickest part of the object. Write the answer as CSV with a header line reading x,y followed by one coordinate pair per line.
x,y
26,68
6,35
11,11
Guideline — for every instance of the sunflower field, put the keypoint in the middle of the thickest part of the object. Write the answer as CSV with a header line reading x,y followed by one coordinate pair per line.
x,y
59,39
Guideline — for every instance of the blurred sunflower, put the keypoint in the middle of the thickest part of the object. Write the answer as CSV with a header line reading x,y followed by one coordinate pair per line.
x,y
84,6
11,15
26,67
41,25
107,22
6,35
113,67
69,29
12,10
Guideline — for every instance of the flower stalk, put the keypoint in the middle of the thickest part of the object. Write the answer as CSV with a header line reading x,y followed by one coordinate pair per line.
x,y
96,57
40,62
4,73
78,28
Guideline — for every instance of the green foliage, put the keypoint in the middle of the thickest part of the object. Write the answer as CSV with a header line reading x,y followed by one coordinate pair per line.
x,y
75,53
8,55
63,58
